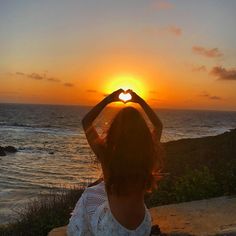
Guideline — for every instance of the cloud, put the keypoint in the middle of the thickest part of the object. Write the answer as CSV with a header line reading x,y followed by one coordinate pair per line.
x,y
36,76
162,5
20,73
174,30
68,84
44,77
215,97
53,80
91,91
212,97
211,53
199,68
223,73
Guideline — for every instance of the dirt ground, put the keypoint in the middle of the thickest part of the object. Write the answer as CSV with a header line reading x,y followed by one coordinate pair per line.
x,y
215,216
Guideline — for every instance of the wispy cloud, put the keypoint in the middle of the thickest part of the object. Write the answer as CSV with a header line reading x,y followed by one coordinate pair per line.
x,y
172,30
68,84
54,80
20,73
209,96
199,68
44,77
223,73
36,76
162,5
215,98
211,53
175,30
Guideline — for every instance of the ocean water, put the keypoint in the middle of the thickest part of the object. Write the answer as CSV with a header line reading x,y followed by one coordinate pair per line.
x,y
53,151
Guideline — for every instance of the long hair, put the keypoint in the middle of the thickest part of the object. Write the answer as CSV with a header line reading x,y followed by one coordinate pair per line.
x,y
131,155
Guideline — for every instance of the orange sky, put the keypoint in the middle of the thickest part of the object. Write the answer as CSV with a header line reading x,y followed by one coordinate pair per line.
x,y
76,52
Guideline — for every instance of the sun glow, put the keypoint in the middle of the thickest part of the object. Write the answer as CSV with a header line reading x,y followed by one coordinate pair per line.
x,y
126,82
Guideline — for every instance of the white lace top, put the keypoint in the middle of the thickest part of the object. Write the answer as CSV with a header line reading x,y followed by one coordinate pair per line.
x,y
92,217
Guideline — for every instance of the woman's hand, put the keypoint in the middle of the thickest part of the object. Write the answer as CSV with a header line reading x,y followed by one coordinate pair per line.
x,y
135,97
114,97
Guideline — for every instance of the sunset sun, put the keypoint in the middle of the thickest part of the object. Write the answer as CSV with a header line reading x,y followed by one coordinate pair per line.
x,y
125,97
126,82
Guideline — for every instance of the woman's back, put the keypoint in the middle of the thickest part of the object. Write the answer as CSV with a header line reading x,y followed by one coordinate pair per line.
x,y
129,157
93,215
122,207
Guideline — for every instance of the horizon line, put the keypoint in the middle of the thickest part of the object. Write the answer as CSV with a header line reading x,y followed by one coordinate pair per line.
x,y
84,105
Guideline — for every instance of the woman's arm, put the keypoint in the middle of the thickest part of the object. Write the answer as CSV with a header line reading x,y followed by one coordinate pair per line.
x,y
150,113
93,138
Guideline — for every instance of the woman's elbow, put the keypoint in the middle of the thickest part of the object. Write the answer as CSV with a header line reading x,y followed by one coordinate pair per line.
x,y
161,126
85,124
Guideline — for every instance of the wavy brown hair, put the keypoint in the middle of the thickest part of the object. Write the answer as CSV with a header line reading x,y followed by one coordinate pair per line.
x,y
132,156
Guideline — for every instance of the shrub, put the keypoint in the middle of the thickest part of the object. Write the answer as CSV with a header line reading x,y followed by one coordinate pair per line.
x,y
191,185
195,185
44,213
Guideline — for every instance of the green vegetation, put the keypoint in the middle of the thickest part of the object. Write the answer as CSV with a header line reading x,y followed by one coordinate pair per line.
x,y
193,185
44,213
197,169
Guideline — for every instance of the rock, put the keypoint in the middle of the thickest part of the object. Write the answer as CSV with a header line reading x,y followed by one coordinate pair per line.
x,y
51,153
156,230
2,153
10,149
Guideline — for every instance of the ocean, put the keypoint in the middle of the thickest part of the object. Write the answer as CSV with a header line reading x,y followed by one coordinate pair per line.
x,y
53,151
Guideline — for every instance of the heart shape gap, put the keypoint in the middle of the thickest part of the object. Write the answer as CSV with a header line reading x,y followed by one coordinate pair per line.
x,y
125,96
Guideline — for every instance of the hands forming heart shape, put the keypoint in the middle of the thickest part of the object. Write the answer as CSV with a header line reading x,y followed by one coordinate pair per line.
x,y
125,97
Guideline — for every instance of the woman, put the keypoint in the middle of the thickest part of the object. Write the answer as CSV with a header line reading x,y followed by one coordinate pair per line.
x,y
129,157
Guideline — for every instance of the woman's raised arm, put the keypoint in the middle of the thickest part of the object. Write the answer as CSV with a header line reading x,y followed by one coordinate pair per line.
x,y
150,113
93,138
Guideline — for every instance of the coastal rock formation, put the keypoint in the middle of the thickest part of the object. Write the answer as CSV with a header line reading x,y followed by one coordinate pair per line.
x,y
2,153
10,149
4,150
192,153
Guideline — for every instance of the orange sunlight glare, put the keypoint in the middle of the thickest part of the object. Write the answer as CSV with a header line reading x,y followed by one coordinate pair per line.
x,y
125,97
127,82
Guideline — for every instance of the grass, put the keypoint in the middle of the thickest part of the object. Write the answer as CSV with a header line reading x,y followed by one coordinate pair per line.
x,y
44,213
